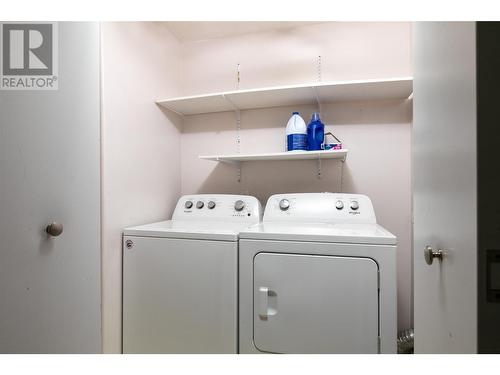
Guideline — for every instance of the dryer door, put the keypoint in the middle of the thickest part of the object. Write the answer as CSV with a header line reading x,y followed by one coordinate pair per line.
x,y
315,304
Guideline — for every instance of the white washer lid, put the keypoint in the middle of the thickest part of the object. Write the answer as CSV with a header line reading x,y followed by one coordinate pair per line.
x,y
343,233
199,230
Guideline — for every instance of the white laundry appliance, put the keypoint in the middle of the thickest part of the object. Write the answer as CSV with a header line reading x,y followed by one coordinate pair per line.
x,y
180,277
318,275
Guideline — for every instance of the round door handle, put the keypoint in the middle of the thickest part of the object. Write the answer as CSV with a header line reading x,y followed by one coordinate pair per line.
x,y
430,254
54,229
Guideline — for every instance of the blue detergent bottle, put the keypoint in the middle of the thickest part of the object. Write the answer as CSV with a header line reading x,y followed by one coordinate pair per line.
x,y
315,133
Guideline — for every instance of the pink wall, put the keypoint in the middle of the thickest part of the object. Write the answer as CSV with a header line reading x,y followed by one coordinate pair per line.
x,y
349,50
140,147
376,133
148,163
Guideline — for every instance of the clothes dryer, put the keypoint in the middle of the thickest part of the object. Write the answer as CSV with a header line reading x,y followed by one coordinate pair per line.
x,y
318,275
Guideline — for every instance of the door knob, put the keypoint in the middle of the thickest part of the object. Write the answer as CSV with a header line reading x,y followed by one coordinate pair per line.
x,y
54,229
430,254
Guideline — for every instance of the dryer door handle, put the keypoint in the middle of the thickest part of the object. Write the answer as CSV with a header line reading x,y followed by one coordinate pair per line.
x,y
267,300
263,302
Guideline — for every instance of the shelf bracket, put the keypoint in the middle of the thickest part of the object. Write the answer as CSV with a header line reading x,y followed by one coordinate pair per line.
x,y
225,161
316,95
237,113
319,169
235,107
237,164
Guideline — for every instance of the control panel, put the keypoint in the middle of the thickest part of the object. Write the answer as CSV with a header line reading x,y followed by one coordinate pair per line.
x,y
320,208
224,207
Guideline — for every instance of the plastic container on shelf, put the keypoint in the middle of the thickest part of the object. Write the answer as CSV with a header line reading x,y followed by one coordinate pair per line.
x,y
315,133
296,133
336,144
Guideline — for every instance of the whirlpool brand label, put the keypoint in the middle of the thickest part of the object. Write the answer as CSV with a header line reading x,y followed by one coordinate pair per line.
x,y
29,56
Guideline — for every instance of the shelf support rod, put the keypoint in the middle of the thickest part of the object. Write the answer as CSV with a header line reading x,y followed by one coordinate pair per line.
x,y
238,121
237,113
319,68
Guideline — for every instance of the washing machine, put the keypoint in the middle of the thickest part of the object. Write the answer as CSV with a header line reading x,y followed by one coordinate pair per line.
x,y
318,275
180,277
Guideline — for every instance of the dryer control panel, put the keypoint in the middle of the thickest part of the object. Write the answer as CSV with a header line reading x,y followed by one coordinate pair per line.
x,y
221,207
320,208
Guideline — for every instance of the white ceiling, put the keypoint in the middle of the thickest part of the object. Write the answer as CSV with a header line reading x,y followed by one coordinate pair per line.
x,y
189,31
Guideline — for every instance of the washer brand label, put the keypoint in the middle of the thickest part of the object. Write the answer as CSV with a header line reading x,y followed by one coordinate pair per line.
x,y
29,56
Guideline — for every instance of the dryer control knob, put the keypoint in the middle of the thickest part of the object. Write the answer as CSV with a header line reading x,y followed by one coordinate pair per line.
x,y
339,205
199,204
239,205
354,205
188,204
211,205
284,204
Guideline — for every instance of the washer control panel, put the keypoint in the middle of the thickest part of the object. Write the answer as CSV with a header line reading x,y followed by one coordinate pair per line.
x,y
218,207
320,208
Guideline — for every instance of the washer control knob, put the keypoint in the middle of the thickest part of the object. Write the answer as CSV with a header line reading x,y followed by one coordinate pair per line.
x,y
199,204
284,204
354,205
188,204
339,205
239,205
211,205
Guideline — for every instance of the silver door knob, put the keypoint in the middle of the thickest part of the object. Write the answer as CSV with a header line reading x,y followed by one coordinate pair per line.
x,y
430,254
54,229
